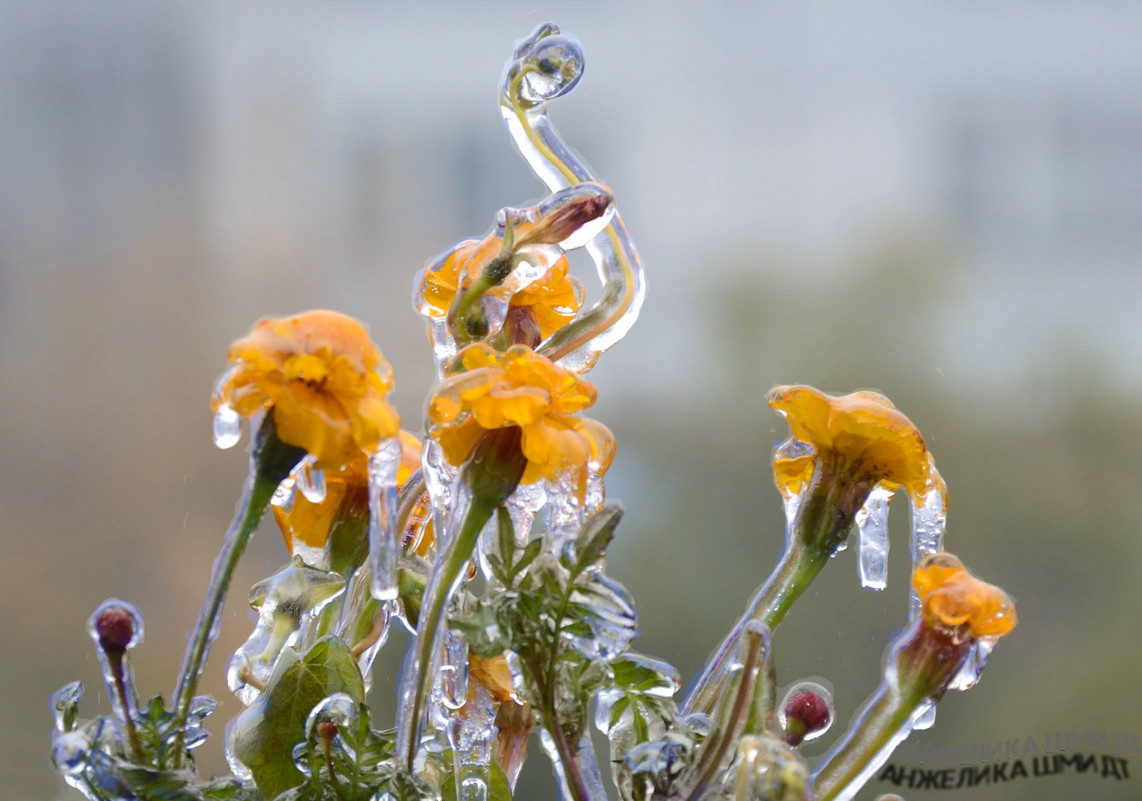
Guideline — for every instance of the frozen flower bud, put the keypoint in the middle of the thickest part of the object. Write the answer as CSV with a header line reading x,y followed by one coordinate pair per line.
x,y
807,713
563,214
115,626
326,730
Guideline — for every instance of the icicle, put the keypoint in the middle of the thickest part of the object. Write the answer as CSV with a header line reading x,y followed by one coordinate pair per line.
x,y
471,733
453,675
929,519
872,523
384,537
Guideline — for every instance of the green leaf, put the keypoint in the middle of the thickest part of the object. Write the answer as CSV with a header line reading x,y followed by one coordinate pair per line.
x,y
498,787
266,733
595,536
533,549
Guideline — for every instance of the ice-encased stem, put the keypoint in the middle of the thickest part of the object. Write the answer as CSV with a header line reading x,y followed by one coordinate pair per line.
x,y
886,721
613,250
271,461
823,519
430,628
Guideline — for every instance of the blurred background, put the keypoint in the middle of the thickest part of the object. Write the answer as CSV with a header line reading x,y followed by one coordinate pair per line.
x,y
942,202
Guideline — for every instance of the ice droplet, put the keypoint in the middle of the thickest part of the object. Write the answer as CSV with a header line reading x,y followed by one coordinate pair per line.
x,y
872,523
69,752
310,480
384,538
972,668
226,427
925,717
285,494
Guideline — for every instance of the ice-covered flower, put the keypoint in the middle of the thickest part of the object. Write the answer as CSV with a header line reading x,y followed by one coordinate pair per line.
x,y
861,437
486,390
955,600
322,379
309,522
552,299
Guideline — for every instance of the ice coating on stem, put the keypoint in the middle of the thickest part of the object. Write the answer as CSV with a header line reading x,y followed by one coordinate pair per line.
x,y
544,66
584,765
866,774
117,626
384,534
872,552
523,505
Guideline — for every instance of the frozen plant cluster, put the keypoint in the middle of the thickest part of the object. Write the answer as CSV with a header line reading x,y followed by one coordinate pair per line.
x,y
485,537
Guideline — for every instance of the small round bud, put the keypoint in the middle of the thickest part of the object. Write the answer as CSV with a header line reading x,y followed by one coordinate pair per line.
x,y
326,730
115,626
807,712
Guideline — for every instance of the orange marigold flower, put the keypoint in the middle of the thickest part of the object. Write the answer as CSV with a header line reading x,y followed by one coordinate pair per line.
x,y
346,493
862,434
323,379
553,298
518,387
954,598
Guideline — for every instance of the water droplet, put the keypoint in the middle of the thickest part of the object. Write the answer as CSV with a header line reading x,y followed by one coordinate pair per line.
x,y
201,706
872,551
226,427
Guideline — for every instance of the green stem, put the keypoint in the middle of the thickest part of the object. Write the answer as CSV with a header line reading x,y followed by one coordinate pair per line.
x,y
568,754
435,607
255,497
890,710
822,522
271,460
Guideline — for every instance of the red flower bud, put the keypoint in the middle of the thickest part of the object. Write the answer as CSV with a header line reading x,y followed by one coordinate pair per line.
x,y
807,711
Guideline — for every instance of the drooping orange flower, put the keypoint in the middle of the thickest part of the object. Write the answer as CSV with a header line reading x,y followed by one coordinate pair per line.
x,y
954,598
487,389
346,493
323,380
862,435
553,298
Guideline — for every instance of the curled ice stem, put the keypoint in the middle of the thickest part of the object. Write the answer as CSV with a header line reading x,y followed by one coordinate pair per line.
x,y
547,65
